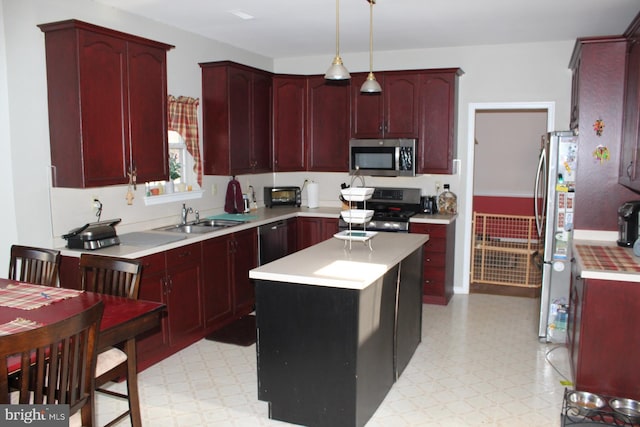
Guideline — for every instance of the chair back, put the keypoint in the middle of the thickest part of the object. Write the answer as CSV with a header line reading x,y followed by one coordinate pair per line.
x,y
34,265
110,275
53,364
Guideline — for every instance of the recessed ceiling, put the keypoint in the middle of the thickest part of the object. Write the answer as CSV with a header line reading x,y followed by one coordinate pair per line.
x,y
292,28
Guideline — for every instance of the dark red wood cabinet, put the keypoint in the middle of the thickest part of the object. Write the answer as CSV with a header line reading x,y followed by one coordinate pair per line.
x,y
439,261
603,337
629,169
228,293
107,94
289,111
393,113
327,125
438,95
236,115
312,230
173,277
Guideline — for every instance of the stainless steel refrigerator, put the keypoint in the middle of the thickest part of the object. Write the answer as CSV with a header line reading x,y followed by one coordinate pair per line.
x,y
554,206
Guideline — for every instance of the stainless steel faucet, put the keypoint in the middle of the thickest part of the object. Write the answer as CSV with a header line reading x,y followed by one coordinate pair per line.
x,y
185,212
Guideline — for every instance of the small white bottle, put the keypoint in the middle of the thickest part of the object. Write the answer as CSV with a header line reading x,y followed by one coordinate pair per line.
x,y
447,201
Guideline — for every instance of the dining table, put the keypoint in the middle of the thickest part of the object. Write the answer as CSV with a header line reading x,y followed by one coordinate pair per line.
x,y
25,306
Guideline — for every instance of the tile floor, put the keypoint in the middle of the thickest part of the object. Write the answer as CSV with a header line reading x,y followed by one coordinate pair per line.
x,y
479,364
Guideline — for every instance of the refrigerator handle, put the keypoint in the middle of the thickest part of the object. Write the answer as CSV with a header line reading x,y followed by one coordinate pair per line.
x,y
536,192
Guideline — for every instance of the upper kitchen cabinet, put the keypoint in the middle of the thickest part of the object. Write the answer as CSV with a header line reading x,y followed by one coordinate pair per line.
x,y
390,114
107,96
437,94
289,106
327,132
629,170
236,112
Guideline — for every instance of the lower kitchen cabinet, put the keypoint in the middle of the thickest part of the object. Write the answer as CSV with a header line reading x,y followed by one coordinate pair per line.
x,y
228,293
174,278
603,337
312,230
438,263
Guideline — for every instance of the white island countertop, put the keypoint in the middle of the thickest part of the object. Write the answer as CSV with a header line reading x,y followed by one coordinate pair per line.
x,y
331,263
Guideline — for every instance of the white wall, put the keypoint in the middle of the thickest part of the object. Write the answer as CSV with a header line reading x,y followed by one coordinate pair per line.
x,y
7,212
506,152
500,73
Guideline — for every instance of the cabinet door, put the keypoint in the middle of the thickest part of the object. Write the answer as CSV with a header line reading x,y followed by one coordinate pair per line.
x,y
367,116
309,231
400,96
239,93
327,124
104,114
245,258
152,288
261,123
217,297
288,123
184,278
313,230
437,123
148,112
629,169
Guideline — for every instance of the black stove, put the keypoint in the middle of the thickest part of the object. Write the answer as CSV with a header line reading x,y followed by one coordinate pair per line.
x,y
392,207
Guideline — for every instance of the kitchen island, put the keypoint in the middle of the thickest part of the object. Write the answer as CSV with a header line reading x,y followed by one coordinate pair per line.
x,y
337,326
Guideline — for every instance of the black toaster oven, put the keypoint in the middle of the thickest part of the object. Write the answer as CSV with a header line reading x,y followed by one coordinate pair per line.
x,y
282,196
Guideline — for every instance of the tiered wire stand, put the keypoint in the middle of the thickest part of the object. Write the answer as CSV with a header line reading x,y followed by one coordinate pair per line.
x,y
578,416
356,216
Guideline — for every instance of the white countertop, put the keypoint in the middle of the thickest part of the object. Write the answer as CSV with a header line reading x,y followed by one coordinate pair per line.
x,y
332,264
260,217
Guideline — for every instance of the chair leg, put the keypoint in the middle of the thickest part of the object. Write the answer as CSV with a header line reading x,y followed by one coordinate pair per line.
x,y
132,383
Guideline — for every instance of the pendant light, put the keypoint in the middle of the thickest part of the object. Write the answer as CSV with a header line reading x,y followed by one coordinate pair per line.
x,y
337,71
371,85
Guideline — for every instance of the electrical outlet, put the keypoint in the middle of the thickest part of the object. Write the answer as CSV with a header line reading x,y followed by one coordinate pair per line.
x,y
214,189
438,187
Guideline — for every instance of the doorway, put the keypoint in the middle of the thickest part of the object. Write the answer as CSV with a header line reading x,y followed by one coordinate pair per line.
x,y
511,196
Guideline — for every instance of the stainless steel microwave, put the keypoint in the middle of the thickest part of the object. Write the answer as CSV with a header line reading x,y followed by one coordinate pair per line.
x,y
383,157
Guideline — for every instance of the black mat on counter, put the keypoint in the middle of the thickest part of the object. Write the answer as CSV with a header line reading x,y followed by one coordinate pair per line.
x,y
240,332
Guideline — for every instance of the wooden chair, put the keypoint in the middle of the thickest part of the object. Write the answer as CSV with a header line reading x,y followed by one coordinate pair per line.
x,y
118,277
37,358
34,265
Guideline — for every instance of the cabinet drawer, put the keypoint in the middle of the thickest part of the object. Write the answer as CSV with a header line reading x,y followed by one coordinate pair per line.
x,y
433,230
185,254
152,264
433,289
435,245
434,259
434,275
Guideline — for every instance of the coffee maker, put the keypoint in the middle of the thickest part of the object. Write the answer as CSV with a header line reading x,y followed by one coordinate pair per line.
x,y
628,223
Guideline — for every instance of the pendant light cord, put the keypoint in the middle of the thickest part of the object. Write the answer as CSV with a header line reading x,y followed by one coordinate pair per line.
x,y
371,3
337,28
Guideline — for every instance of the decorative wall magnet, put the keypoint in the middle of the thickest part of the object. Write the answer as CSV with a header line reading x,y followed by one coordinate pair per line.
x,y
601,153
598,127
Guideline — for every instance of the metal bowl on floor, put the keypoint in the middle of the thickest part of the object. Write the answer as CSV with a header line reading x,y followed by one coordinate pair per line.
x,y
584,403
630,409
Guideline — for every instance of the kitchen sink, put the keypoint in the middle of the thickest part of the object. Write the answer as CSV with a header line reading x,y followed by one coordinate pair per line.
x,y
200,227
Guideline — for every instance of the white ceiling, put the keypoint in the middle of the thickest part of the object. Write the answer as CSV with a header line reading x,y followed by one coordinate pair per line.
x,y
292,28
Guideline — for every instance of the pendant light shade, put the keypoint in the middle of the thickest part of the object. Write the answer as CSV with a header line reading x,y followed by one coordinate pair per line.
x,y
337,71
371,85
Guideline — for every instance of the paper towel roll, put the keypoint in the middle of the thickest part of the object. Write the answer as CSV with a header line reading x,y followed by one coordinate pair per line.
x,y
313,194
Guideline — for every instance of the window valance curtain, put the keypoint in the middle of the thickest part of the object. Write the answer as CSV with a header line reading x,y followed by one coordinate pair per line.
x,y
183,118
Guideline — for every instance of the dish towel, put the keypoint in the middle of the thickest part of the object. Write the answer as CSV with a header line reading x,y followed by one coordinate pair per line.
x,y
233,202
